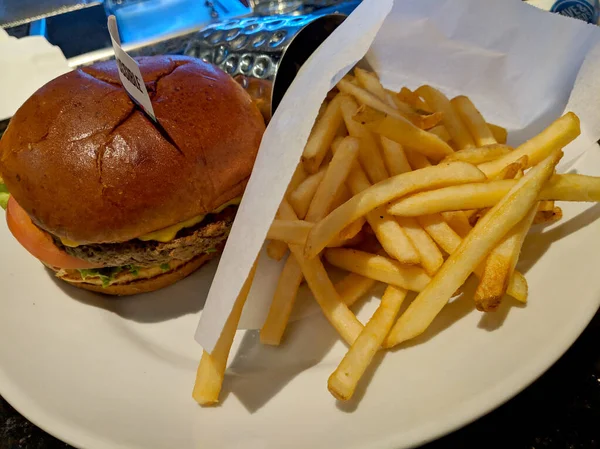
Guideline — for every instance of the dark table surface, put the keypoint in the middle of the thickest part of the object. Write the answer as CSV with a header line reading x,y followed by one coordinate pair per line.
x,y
560,410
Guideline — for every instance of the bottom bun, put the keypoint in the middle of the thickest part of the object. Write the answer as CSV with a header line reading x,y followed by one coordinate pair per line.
x,y
149,284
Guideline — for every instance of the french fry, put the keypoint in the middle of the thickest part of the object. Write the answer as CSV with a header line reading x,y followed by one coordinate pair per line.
x,y
473,120
322,135
378,267
548,216
379,194
289,231
500,265
416,159
370,82
449,241
369,155
556,136
499,133
400,110
334,309
333,180
430,255
276,249
352,229
546,205
397,163
511,170
298,178
452,122
486,235
441,132
404,132
211,370
394,157
570,187
409,97
282,304
353,287
343,381
479,155
301,198
392,237
458,221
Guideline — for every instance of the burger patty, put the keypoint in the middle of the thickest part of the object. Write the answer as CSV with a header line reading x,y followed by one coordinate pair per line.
x,y
207,236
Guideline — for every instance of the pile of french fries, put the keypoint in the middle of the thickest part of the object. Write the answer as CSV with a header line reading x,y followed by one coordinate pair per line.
x,y
413,190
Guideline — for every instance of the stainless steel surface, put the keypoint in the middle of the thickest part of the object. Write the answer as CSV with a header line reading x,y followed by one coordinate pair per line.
x,y
18,12
263,53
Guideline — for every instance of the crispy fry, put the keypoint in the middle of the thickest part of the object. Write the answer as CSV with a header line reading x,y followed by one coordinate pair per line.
x,y
370,82
511,170
500,265
407,96
546,205
548,216
352,229
487,234
322,135
383,192
499,133
474,121
556,136
211,370
289,231
344,379
378,267
430,255
441,132
449,241
334,309
400,110
301,198
369,155
458,221
479,155
395,157
455,127
404,132
416,159
282,304
353,287
333,180
392,237
570,187
297,178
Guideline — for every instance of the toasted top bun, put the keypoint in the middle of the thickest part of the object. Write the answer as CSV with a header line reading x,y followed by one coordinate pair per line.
x,y
88,165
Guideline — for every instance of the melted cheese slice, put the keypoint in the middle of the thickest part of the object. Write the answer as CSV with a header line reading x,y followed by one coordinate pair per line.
x,y
167,234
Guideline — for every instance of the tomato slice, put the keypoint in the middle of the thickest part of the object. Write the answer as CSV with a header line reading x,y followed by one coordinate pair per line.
x,y
38,242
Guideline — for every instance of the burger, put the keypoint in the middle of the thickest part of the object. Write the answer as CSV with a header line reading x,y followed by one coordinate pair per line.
x,y
113,202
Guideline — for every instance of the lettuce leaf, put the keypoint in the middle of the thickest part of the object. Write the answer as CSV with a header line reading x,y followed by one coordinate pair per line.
x,y
4,195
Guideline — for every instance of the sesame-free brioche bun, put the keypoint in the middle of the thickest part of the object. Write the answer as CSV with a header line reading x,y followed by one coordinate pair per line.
x,y
89,166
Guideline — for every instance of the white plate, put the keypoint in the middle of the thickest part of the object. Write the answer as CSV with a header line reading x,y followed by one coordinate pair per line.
x,y
102,373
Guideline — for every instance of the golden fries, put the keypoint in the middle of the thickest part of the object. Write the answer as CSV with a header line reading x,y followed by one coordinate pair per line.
x,y
289,231
368,155
344,379
404,132
383,199
301,198
333,180
399,110
489,231
500,265
561,132
474,121
383,192
353,287
452,122
571,187
378,267
479,155
322,135
499,133
211,370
